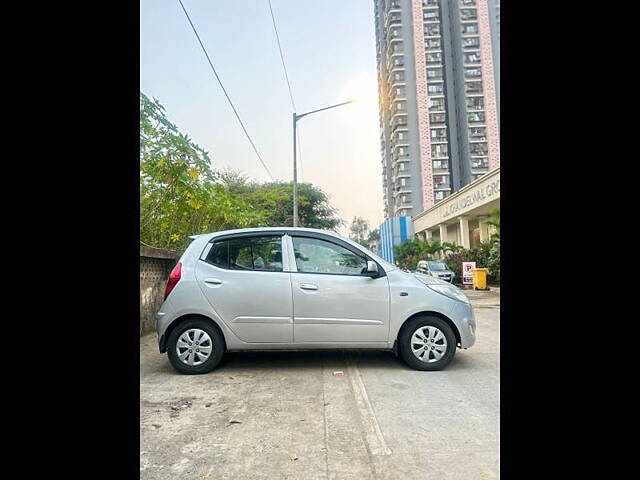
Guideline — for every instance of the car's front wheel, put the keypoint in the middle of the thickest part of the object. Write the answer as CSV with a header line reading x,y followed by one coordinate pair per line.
x,y
195,346
427,343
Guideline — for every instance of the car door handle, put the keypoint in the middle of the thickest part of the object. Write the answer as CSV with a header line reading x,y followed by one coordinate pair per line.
x,y
308,286
213,281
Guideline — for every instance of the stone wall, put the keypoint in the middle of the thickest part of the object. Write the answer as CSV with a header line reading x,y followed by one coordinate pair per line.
x,y
155,266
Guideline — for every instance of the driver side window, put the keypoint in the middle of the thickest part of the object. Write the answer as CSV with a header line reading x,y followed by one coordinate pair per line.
x,y
319,256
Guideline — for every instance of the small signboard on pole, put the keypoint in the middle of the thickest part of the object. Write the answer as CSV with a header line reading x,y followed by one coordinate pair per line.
x,y
467,276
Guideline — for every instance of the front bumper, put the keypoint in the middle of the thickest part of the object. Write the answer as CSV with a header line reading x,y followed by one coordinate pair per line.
x,y
466,323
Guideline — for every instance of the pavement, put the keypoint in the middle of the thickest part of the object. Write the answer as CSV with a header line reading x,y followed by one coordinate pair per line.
x,y
291,415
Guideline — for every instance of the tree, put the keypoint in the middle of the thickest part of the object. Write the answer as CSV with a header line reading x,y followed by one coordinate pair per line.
x,y
373,239
431,247
494,220
359,231
275,199
179,192
451,247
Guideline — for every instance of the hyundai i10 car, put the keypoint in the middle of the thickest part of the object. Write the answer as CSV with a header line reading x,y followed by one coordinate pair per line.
x,y
300,288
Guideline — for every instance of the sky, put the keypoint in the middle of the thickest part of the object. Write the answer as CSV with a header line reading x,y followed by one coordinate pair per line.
x,y
329,51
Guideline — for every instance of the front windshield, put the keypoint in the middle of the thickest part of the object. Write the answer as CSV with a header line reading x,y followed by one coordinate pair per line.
x,y
437,266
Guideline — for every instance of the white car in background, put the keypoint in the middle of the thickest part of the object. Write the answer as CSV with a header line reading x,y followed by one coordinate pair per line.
x,y
436,268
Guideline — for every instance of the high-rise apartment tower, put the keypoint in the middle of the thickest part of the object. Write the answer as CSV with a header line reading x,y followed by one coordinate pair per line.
x,y
439,95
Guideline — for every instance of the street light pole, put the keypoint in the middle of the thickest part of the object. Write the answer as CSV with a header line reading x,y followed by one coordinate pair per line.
x,y
295,173
295,163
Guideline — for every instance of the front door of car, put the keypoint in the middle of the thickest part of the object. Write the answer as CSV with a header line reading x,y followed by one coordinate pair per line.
x,y
244,282
333,299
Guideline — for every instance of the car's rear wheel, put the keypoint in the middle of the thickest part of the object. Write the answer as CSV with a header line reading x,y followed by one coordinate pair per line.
x,y
427,343
195,346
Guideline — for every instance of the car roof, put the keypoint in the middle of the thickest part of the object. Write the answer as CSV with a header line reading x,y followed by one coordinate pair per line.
x,y
267,230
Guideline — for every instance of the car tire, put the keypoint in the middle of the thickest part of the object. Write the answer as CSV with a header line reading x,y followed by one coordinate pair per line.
x,y
206,335
430,327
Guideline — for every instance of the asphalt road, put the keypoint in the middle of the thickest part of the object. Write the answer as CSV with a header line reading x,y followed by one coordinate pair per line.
x,y
284,415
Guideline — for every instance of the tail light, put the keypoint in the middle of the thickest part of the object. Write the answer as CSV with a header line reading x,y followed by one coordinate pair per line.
x,y
174,278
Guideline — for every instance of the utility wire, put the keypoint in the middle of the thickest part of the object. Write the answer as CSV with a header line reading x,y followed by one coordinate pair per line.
x,y
286,76
225,91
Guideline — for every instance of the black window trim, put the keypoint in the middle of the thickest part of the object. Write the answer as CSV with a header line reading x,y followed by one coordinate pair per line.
x,y
236,236
293,233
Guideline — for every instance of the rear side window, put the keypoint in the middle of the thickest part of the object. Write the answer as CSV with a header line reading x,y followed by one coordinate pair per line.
x,y
256,253
247,253
219,254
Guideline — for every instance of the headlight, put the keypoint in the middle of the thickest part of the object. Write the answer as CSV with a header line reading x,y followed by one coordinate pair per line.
x,y
450,291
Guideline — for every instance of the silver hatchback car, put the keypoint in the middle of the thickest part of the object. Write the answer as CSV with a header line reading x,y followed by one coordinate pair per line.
x,y
300,288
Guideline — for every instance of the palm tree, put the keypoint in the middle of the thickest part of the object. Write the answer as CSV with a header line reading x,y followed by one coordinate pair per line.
x,y
451,247
431,246
494,220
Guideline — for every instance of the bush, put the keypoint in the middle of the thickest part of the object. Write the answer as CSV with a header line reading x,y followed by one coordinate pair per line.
x,y
485,256
494,266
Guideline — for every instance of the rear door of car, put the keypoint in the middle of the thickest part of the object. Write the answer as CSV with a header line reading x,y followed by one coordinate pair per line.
x,y
246,283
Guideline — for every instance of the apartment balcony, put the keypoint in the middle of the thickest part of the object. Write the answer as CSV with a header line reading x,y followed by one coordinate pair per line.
x,y
399,127
475,118
393,19
397,112
398,82
477,139
403,143
401,191
393,67
445,187
479,165
471,43
468,15
438,139
393,7
439,156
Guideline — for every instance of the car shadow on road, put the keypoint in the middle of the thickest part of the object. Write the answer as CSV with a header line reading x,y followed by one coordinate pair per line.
x,y
256,361
307,359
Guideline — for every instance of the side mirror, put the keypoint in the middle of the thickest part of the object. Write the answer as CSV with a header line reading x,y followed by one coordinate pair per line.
x,y
372,269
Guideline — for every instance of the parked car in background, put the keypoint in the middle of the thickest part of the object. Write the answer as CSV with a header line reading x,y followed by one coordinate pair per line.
x,y
436,268
301,288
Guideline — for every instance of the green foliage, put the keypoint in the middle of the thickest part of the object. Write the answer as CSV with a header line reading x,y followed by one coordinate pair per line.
x,y
494,265
359,231
485,256
494,220
179,193
275,200
409,253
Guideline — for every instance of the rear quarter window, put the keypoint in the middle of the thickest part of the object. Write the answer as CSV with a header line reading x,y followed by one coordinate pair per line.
x,y
219,254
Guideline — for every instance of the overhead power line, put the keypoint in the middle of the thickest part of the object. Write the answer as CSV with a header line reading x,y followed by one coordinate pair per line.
x,y
225,91
286,75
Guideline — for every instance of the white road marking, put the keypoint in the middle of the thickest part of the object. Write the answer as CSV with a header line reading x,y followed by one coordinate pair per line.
x,y
373,434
